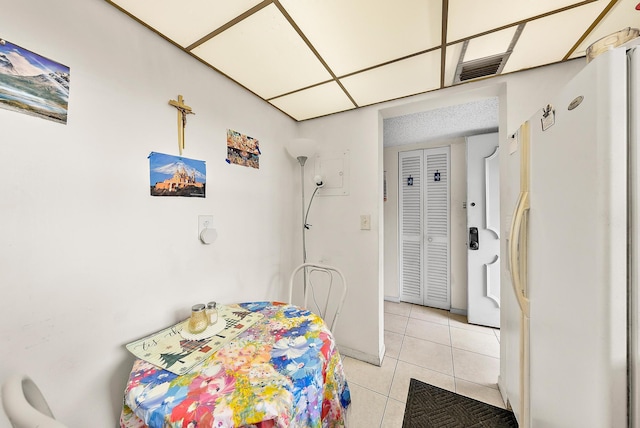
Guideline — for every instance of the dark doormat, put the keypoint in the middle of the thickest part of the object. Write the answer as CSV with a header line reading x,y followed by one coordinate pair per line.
x,y
429,406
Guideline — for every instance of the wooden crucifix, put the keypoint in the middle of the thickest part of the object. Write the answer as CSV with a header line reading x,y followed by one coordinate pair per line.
x,y
183,111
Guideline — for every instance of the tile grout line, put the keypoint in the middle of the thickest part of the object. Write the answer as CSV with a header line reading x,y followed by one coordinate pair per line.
x,y
476,353
453,363
443,344
386,405
473,330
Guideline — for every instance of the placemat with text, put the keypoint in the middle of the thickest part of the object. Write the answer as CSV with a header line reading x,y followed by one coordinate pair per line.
x,y
168,350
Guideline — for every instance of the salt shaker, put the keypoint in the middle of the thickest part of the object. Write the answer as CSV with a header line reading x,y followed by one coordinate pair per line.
x,y
212,312
199,320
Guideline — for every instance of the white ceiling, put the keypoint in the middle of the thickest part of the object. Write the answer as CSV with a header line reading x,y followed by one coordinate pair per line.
x,y
477,117
311,58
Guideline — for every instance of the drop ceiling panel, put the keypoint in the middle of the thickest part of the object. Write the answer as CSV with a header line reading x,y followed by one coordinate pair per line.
x,y
622,15
547,40
185,22
451,63
490,44
313,102
407,77
265,54
291,53
471,17
357,34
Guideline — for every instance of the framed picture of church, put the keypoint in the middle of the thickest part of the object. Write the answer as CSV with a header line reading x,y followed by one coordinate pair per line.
x,y
177,176
33,84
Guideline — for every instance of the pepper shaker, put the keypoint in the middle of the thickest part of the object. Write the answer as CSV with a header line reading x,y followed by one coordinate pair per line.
x,y
212,312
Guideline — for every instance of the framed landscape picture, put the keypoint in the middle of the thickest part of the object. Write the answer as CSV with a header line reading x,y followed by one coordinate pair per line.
x,y
33,84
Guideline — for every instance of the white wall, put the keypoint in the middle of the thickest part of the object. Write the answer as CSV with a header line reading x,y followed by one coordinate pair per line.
x,y
88,259
336,238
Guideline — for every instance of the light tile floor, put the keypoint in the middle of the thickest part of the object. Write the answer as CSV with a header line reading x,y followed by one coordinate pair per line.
x,y
430,345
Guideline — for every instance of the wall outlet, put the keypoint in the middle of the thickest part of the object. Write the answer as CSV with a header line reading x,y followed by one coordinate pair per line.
x,y
365,222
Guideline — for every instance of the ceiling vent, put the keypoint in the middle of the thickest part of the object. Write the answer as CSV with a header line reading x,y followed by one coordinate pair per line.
x,y
481,67
484,67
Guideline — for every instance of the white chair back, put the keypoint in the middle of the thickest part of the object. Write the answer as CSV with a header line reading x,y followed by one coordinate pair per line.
x,y
319,275
25,405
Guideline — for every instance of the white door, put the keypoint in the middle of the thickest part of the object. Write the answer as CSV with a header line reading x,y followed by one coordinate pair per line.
x,y
424,227
410,222
483,230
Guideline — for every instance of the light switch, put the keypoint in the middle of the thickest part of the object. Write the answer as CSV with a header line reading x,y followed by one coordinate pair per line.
x,y
365,222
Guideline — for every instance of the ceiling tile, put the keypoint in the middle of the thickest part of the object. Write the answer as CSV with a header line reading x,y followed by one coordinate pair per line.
x,y
622,15
265,54
378,49
547,40
453,56
320,100
185,22
470,17
357,34
490,44
399,79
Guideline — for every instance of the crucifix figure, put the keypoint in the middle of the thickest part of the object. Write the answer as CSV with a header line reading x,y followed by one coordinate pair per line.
x,y
183,111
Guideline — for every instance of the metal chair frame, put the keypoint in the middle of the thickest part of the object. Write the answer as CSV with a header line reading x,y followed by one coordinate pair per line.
x,y
25,405
310,268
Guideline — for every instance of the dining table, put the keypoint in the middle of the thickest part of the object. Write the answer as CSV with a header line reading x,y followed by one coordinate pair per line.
x,y
280,369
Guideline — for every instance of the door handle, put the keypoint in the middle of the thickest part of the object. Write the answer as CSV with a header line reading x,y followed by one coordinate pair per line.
x,y
474,243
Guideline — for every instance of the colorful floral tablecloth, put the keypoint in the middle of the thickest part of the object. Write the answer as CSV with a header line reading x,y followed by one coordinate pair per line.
x,y
284,371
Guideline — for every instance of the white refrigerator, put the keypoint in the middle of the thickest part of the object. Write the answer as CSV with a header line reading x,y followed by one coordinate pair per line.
x,y
570,318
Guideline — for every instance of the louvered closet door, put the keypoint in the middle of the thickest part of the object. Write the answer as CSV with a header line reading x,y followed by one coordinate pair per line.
x,y
436,221
424,227
410,219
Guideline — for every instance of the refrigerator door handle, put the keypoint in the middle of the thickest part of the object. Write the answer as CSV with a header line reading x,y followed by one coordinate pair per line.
x,y
517,249
515,252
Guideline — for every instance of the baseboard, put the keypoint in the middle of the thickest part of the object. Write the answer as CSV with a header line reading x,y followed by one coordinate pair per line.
x,y
458,311
392,299
376,360
503,393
